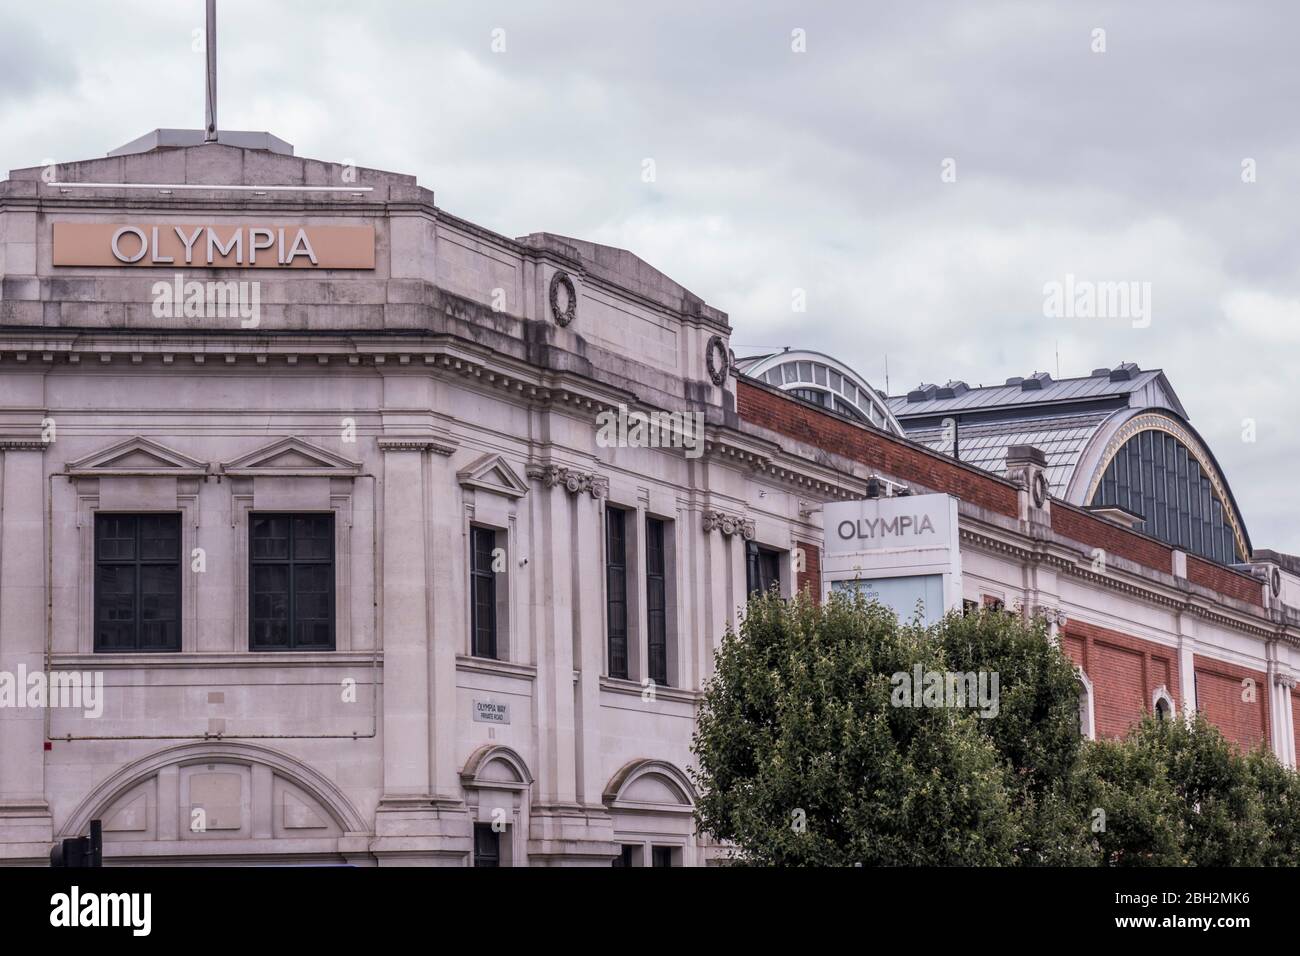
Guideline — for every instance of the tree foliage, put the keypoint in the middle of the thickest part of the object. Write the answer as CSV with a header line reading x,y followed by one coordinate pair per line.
x,y
806,755
1176,793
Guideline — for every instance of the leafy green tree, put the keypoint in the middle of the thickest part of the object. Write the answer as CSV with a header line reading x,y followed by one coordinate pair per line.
x,y
807,755
1177,793
805,759
1279,798
1036,731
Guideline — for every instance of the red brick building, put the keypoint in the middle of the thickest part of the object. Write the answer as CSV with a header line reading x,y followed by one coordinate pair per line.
x,y
1092,502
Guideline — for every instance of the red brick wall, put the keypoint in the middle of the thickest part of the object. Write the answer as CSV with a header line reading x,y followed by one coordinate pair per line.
x,y
811,576
1125,672
772,409
1078,525
1219,691
1232,583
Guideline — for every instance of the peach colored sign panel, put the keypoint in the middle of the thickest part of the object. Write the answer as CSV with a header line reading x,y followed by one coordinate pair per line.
x,y
218,247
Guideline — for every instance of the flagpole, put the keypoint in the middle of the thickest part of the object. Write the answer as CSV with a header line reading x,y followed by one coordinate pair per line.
x,y
210,46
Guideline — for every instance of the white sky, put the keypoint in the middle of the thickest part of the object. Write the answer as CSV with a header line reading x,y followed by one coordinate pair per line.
x,y
777,170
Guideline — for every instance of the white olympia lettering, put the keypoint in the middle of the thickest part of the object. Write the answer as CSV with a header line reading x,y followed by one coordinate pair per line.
x,y
189,242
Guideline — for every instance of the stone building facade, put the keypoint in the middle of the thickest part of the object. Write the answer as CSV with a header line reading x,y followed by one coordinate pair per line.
x,y
365,553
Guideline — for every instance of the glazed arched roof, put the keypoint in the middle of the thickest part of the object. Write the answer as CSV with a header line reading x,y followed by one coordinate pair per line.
x,y
826,380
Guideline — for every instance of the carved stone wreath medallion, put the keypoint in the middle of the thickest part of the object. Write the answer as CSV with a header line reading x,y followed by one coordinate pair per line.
x,y
1040,490
718,360
563,316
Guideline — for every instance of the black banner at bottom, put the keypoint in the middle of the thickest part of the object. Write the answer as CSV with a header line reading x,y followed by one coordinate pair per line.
x,y
333,904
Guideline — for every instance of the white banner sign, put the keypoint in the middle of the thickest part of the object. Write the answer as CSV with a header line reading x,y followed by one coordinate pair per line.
x,y
913,521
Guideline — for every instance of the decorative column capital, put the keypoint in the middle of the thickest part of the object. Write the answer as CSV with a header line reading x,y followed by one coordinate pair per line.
x,y
1284,680
1050,614
729,524
573,481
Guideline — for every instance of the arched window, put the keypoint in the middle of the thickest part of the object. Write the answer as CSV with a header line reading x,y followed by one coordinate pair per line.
x,y
1087,719
1162,704
652,804
823,381
1155,475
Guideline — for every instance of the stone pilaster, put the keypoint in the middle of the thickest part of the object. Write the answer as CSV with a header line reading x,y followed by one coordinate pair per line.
x,y
26,826
421,818
1284,744
568,824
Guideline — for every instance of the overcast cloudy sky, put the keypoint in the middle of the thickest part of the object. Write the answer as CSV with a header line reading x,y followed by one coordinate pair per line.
x,y
777,170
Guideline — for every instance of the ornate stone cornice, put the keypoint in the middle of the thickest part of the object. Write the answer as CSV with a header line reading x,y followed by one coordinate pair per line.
x,y
1120,581
573,481
729,524
415,443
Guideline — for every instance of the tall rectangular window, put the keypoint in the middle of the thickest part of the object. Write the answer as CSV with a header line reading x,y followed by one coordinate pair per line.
x,y
616,589
656,600
291,571
762,568
483,590
137,582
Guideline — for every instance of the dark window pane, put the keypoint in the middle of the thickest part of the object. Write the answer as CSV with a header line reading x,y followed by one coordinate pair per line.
x,y
616,589
487,845
291,597
313,538
1135,479
762,568
662,856
656,601
483,589
137,582
270,537
159,537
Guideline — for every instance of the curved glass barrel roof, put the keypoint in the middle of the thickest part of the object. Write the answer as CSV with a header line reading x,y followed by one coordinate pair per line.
x,y
1155,475
823,381
1118,438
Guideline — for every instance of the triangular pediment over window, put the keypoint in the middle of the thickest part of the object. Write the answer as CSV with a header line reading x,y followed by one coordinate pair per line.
x,y
137,457
291,457
493,473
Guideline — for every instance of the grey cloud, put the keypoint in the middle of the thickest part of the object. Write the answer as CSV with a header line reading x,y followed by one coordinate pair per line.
x,y
778,170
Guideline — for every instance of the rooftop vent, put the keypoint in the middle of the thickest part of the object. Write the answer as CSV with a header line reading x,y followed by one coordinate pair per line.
x,y
1100,373
1124,372
1035,381
1015,380
957,386
922,393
